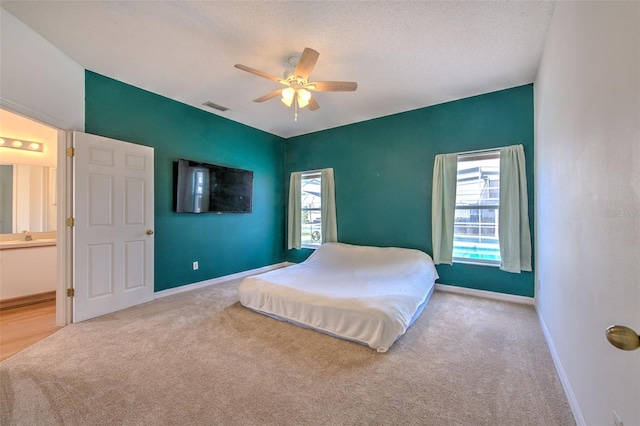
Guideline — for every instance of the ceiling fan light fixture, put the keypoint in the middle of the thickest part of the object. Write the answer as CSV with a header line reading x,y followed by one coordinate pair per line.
x,y
287,96
304,96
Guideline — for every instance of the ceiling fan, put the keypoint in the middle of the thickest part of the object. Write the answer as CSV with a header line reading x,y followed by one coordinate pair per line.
x,y
297,92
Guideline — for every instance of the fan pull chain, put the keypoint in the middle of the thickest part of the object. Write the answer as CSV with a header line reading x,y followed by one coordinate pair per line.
x,y
295,108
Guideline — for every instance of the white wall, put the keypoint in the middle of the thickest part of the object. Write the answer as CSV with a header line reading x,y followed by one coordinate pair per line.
x,y
37,79
587,167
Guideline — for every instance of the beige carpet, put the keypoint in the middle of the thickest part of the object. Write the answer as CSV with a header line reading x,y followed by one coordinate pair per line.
x,y
201,358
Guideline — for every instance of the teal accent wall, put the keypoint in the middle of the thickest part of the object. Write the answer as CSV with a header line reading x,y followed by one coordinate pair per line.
x,y
223,244
383,173
383,170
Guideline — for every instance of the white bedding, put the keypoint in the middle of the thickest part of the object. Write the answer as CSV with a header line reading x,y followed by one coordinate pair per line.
x,y
366,294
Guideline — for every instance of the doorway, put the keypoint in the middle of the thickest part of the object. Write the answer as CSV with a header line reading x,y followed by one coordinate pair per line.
x,y
32,293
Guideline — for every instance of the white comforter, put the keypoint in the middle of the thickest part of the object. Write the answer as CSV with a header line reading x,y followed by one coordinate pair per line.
x,y
366,294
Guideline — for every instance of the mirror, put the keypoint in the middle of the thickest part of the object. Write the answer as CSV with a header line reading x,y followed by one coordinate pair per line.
x,y
27,179
27,198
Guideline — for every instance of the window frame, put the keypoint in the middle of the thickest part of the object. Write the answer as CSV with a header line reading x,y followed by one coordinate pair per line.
x,y
312,174
478,156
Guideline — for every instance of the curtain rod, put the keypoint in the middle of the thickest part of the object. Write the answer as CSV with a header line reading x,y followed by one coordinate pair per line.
x,y
478,151
310,171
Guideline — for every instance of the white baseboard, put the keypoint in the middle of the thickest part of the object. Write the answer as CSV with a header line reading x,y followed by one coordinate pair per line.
x,y
213,281
571,398
485,294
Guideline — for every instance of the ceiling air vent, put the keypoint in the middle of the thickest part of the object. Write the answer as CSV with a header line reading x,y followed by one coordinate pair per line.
x,y
215,106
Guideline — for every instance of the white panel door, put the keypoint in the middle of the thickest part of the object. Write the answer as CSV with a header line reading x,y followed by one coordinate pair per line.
x,y
113,232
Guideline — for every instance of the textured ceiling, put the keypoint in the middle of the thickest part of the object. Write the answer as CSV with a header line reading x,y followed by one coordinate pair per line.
x,y
404,55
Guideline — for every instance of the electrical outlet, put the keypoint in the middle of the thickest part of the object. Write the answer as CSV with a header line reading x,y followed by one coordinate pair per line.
x,y
195,265
617,420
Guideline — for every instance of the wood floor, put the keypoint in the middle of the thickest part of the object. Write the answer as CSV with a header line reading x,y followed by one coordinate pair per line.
x,y
22,327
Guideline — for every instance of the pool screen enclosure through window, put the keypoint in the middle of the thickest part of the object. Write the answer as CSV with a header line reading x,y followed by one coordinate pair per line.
x,y
475,237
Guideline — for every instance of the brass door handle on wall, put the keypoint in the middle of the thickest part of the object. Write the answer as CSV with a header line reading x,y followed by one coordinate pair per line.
x,y
623,337
149,232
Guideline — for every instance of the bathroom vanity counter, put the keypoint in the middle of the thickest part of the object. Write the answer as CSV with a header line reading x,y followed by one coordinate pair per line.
x,y
15,244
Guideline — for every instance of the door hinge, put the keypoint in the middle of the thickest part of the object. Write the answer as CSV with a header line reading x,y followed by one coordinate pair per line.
x,y
71,222
71,292
71,152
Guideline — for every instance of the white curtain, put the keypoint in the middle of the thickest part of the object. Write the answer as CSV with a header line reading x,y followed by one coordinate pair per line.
x,y
295,203
443,206
513,222
328,207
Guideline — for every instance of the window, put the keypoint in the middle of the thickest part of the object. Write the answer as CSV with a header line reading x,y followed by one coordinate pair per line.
x,y
312,217
476,198
475,235
311,209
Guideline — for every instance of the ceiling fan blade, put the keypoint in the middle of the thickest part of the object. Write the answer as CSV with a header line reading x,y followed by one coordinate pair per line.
x,y
260,73
269,96
332,86
306,62
313,105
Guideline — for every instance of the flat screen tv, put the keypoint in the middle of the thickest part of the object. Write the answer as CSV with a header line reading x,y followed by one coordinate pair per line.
x,y
210,188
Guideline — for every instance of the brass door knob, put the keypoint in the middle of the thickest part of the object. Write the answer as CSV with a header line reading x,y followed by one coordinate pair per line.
x,y
623,337
149,232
